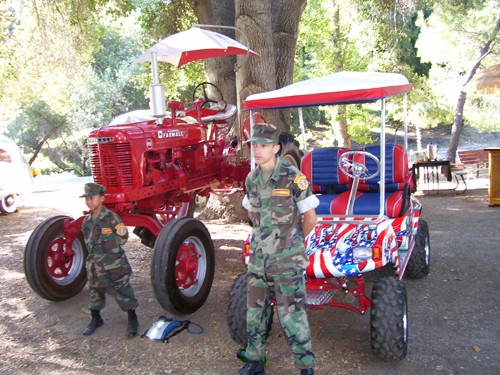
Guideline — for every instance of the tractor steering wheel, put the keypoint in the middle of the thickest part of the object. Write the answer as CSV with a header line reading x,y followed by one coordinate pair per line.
x,y
220,104
354,169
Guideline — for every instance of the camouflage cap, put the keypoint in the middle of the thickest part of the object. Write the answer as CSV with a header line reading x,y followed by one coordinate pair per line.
x,y
264,133
93,189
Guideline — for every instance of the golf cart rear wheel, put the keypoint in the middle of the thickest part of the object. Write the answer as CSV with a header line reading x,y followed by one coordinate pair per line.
x,y
419,263
389,319
183,266
237,311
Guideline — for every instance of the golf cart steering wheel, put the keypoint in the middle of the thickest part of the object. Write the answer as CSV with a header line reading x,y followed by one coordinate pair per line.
x,y
354,169
221,104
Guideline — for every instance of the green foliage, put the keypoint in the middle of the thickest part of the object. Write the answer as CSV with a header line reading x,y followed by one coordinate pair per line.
x,y
449,40
35,124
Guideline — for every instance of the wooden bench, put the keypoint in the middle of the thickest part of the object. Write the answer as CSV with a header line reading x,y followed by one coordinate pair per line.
x,y
472,161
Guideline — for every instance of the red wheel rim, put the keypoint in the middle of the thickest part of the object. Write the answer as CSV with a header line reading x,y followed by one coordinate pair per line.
x,y
190,266
57,262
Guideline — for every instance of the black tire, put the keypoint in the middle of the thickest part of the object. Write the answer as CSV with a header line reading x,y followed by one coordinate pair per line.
x,y
183,237
420,260
9,203
42,263
389,319
237,311
290,150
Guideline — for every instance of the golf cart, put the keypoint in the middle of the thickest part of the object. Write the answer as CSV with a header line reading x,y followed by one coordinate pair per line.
x,y
369,225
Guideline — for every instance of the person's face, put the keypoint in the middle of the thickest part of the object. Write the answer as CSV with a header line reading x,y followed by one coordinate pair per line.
x,y
94,201
264,154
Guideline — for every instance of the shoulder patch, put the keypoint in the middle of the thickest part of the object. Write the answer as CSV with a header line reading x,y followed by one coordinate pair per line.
x,y
121,229
301,181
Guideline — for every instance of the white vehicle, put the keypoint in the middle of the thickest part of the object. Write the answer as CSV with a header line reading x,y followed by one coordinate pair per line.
x,y
15,176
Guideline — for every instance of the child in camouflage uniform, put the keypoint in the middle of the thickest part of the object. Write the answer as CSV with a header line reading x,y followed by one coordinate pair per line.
x,y
277,198
108,269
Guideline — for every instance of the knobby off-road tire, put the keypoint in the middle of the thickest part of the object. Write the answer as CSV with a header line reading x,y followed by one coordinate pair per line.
x,y
9,203
49,273
183,266
237,311
419,262
389,319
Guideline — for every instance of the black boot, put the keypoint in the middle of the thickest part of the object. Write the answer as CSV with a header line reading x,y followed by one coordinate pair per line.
x,y
95,323
253,368
307,371
133,324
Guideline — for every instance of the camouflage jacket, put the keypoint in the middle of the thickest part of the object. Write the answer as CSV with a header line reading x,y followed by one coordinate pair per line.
x,y
106,261
277,205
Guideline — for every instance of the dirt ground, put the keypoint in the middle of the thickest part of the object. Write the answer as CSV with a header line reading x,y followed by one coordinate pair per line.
x,y
453,313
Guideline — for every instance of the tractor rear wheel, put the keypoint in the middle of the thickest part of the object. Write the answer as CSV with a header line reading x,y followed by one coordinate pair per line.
x,y
183,266
50,272
237,311
420,260
389,319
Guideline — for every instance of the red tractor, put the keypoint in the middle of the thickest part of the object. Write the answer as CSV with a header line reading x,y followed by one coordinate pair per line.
x,y
153,166
152,170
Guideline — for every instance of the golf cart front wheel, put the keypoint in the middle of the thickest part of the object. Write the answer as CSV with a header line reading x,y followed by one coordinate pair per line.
x,y
389,319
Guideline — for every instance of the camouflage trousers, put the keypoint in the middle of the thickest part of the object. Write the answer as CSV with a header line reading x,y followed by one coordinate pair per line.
x,y
122,292
287,288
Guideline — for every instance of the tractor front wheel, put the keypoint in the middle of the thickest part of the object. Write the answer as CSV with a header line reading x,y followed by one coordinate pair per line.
x,y
389,319
52,272
183,266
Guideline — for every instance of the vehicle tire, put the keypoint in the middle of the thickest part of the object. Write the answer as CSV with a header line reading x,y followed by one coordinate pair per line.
x,y
419,262
48,273
183,266
237,311
290,150
9,203
389,319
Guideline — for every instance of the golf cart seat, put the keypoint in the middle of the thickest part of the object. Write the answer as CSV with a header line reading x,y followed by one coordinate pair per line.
x,y
397,185
321,169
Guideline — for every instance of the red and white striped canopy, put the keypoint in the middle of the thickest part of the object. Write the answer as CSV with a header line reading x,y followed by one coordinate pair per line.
x,y
337,88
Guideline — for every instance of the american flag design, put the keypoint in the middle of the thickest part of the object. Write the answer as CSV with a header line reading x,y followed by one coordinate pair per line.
x,y
330,247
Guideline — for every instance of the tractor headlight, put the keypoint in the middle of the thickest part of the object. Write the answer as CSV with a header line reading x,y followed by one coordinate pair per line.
x,y
360,254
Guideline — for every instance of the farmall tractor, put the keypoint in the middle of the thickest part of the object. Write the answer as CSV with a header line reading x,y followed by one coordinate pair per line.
x,y
153,168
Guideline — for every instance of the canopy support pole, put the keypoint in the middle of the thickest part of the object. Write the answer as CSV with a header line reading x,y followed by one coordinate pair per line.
x,y
382,158
302,129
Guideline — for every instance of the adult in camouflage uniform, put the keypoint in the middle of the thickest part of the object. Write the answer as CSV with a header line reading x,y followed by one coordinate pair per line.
x,y
277,198
108,269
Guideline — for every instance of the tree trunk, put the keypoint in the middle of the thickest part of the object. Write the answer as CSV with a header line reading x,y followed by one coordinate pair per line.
x,y
340,126
220,70
462,96
258,74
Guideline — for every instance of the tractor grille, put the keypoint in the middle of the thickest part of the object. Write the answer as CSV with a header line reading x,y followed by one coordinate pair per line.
x,y
111,164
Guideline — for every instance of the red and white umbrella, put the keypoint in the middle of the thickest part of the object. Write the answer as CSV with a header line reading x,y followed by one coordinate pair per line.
x,y
194,44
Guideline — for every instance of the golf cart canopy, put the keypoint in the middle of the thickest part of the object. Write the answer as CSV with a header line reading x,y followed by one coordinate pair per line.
x,y
337,88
